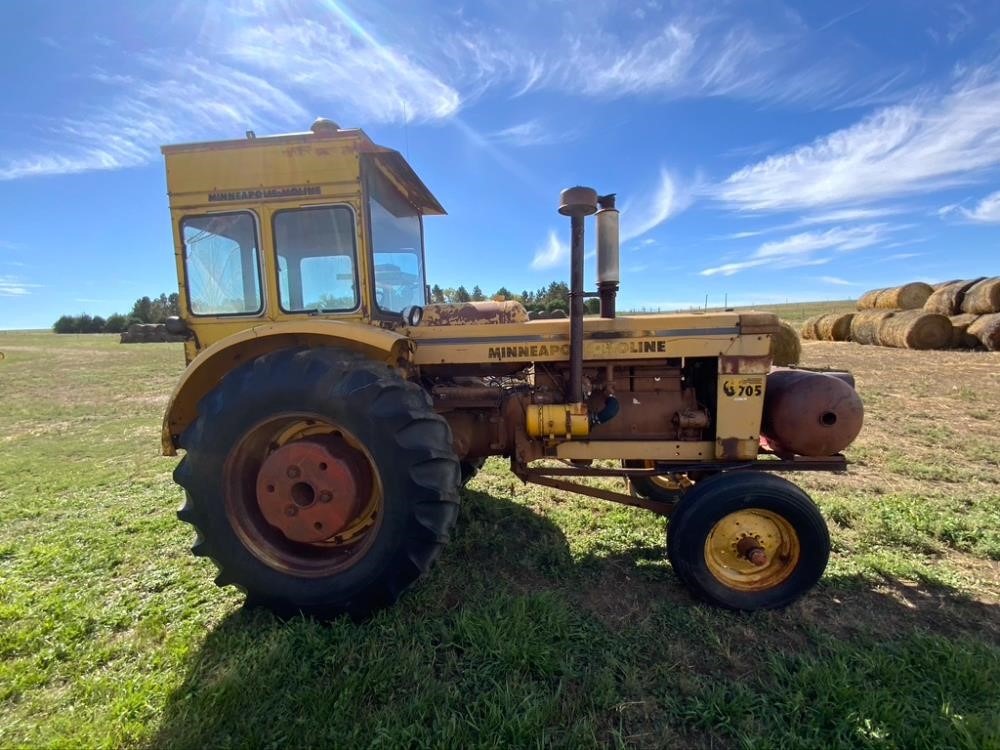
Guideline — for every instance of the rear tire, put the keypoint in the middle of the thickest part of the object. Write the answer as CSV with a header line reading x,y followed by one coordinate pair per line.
x,y
413,472
720,524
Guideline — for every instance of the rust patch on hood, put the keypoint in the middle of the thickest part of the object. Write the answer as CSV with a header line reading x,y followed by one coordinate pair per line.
x,y
474,313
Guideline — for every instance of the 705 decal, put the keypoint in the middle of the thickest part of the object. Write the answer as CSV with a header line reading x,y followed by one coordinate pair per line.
x,y
743,388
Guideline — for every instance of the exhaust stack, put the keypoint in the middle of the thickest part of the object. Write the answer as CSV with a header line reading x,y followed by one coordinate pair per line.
x,y
576,203
607,254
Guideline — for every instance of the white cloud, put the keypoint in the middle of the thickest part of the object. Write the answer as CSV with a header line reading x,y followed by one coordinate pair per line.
x,y
553,253
182,101
530,133
933,142
828,217
836,281
637,218
672,54
374,82
12,286
801,249
986,211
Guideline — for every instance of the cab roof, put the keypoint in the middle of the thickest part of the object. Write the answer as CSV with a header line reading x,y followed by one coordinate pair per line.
x,y
388,159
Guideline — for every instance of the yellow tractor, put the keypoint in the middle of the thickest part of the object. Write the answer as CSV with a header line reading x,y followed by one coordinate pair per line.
x,y
330,414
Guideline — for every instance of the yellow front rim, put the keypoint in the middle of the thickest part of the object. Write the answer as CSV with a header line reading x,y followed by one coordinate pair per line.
x,y
733,550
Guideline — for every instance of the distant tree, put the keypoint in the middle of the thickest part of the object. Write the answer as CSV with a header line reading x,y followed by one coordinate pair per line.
x,y
449,294
477,294
462,295
592,306
527,297
502,293
557,304
65,324
437,294
142,310
115,323
84,323
558,290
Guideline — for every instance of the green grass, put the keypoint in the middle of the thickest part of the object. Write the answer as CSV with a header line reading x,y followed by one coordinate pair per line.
x,y
551,620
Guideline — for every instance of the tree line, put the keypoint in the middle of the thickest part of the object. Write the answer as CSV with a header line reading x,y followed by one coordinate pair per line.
x,y
549,298
145,310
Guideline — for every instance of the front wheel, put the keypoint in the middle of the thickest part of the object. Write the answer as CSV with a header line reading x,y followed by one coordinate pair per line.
x,y
748,541
319,482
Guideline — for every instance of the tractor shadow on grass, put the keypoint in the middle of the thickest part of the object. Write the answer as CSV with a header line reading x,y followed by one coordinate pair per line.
x,y
511,636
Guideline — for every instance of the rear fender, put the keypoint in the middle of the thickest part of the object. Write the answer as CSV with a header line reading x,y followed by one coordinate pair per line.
x,y
214,362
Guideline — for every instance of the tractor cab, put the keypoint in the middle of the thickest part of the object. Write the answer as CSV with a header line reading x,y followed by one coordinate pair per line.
x,y
323,224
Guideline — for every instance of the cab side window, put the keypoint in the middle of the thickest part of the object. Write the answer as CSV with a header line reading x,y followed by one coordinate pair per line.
x,y
317,259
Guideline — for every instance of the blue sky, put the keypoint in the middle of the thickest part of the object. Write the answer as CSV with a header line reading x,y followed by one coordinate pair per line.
x,y
761,150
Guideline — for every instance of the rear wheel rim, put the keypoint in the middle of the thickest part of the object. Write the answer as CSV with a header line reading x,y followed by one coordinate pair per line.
x,y
752,550
303,495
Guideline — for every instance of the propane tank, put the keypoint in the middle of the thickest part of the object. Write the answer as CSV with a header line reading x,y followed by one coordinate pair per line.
x,y
810,413
608,275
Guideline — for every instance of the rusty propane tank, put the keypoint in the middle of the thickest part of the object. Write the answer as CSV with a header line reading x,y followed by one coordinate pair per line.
x,y
810,413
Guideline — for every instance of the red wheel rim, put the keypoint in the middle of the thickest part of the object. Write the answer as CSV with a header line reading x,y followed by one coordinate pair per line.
x,y
303,495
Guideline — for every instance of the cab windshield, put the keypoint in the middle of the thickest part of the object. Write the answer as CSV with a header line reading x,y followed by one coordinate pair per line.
x,y
397,247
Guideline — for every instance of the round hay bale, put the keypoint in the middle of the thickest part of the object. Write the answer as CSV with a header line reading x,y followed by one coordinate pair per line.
x,y
906,297
834,327
867,300
983,297
808,329
916,329
865,326
986,328
960,336
786,349
947,300
943,284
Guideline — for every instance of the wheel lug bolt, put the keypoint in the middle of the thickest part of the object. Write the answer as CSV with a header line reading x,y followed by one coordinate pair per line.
x,y
293,472
325,497
291,510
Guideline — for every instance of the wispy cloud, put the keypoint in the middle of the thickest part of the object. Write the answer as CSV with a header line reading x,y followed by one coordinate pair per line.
x,y
193,98
802,249
555,252
13,286
641,216
338,60
828,217
836,281
531,133
931,143
987,211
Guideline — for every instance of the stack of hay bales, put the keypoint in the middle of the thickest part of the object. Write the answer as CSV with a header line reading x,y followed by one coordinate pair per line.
x,y
973,306
959,314
148,333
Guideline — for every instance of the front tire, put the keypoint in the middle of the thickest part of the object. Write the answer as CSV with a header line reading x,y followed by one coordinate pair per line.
x,y
748,541
319,482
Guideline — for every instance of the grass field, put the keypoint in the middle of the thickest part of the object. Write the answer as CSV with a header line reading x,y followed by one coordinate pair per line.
x,y
549,621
